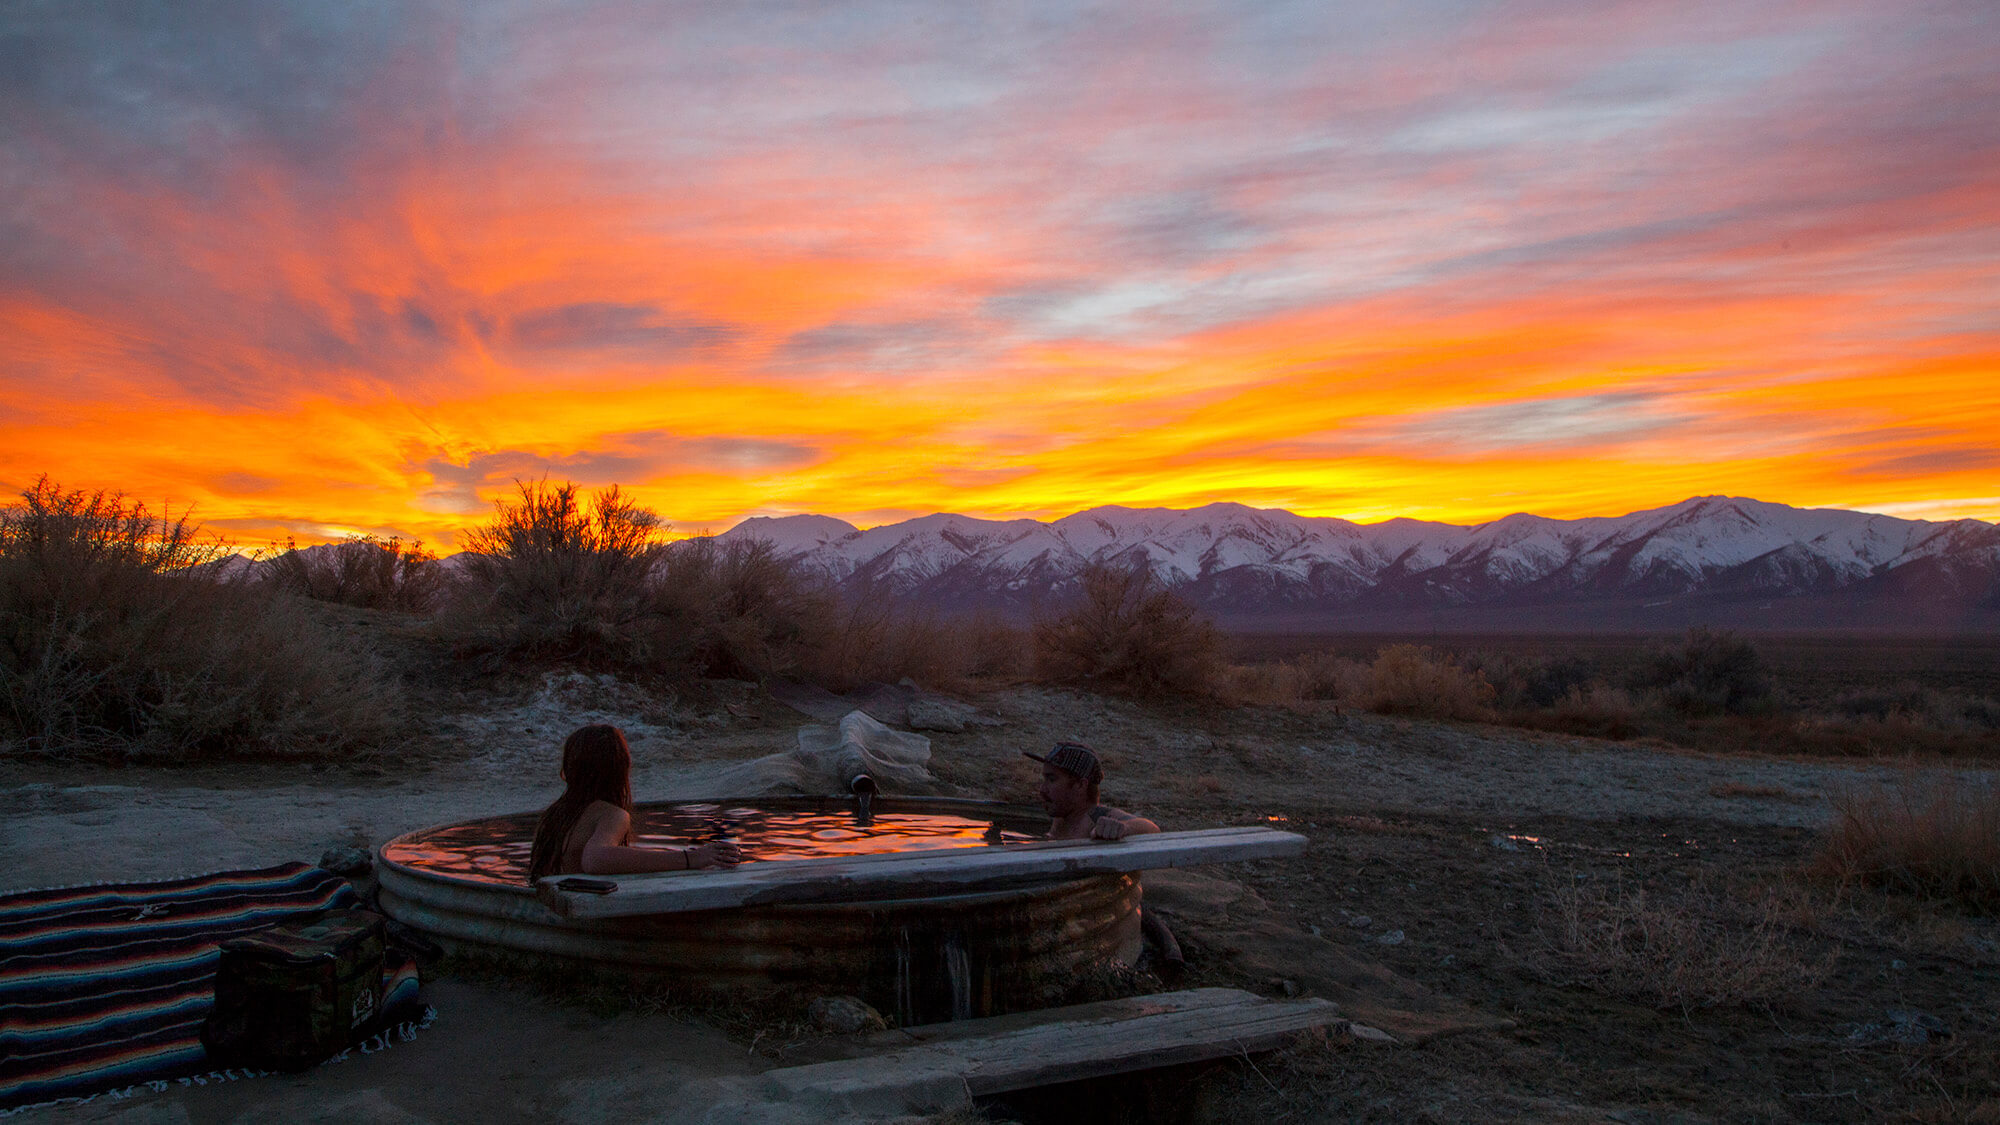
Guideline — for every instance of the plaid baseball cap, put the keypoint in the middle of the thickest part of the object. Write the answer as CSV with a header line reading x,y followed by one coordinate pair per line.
x,y
1072,758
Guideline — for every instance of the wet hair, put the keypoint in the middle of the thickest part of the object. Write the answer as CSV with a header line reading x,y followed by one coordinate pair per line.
x,y
596,766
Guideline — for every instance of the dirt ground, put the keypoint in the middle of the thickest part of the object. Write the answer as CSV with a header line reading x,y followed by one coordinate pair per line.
x,y
1444,852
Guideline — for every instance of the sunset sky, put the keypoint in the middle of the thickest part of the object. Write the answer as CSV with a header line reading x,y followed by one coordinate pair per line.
x,y
331,268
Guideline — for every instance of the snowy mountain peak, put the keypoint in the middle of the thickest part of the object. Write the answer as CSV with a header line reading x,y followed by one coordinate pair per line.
x,y
1240,560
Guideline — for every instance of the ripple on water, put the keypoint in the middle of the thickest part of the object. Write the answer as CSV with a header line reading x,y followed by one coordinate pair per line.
x,y
495,850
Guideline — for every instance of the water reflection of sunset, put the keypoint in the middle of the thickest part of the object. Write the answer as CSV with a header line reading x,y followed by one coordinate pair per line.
x,y
322,276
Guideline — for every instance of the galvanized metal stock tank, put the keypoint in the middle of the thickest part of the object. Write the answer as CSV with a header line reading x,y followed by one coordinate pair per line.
x,y
945,956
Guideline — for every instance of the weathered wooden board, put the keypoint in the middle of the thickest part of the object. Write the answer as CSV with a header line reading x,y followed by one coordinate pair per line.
x,y
840,1047
915,873
1061,1045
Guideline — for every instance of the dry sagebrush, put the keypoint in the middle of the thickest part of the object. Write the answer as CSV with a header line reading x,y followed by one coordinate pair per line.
x,y
1696,948
1126,632
115,640
588,580
1936,836
366,571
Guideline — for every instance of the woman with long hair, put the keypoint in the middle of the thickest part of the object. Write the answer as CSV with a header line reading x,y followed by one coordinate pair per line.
x,y
588,830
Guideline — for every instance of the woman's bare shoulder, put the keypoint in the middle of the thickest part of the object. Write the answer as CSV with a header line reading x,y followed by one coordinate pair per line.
x,y
599,813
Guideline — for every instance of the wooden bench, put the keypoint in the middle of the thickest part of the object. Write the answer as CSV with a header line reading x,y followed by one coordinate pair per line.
x,y
938,1065
912,874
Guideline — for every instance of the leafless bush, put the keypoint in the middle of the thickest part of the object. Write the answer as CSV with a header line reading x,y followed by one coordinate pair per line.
x,y
1916,705
366,571
874,640
1413,680
1596,710
1937,837
555,576
1311,677
1522,682
113,640
1694,949
753,612
1710,672
1124,631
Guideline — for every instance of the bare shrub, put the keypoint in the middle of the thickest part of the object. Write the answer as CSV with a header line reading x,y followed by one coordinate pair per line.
x,y
113,640
1916,705
1529,681
992,648
1936,837
1413,680
1596,710
1710,672
1694,949
555,576
365,571
873,639
1124,631
752,612
1310,677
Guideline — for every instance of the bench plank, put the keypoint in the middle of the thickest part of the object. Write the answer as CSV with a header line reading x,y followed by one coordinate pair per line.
x,y
1064,1045
914,873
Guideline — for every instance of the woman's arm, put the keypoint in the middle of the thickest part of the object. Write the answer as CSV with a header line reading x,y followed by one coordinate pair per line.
x,y
606,853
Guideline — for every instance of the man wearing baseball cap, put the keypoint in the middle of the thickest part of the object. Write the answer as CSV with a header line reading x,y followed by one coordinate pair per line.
x,y
1071,774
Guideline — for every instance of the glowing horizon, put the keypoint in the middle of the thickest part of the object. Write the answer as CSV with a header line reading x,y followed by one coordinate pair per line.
x,y
321,272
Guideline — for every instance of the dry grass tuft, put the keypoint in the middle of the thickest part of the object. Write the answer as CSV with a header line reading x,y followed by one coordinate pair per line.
x,y
1696,949
1938,837
1125,632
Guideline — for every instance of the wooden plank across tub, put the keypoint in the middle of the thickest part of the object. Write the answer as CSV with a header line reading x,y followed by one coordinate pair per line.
x,y
913,873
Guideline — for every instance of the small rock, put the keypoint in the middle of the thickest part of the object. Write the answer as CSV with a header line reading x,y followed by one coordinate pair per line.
x,y
1283,986
1368,1034
1504,844
1314,931
844,1015
1393,937
932,714
1361,921
1898,965
346,861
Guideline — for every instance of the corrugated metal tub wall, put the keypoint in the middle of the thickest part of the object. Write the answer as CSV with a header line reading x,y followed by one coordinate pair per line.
x,y
948,956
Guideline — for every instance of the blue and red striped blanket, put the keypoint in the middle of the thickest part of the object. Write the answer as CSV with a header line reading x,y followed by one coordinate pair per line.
x,y
107,986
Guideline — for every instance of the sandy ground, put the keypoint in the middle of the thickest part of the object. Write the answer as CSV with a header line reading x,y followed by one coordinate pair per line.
x,y
496,1055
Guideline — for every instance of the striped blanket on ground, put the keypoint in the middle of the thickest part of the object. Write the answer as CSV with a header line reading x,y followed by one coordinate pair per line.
x,y
106,986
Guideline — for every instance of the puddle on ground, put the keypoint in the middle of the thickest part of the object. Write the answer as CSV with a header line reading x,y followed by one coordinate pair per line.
x,y
1674,846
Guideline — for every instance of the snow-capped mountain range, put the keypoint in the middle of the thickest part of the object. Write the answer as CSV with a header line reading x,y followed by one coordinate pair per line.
x,y
1707,559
